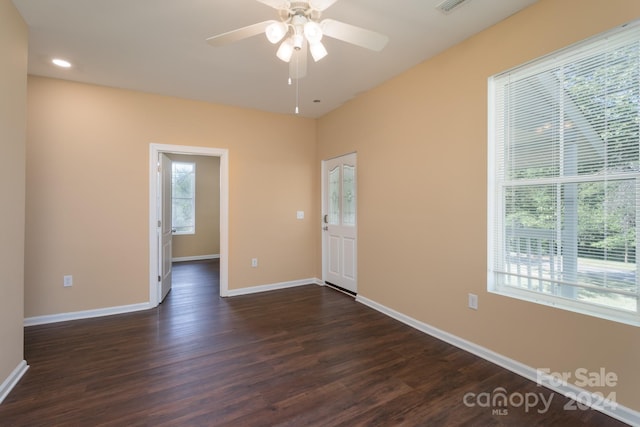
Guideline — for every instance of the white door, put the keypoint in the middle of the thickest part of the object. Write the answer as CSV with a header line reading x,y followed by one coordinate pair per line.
x,y
165,231
340,222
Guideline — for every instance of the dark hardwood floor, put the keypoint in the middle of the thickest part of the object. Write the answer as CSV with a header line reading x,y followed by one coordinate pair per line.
x,y
306,356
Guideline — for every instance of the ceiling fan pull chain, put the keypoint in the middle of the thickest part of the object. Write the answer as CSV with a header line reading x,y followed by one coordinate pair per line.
x,y
297,84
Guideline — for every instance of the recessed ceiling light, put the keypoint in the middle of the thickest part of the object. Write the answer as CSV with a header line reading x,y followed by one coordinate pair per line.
x,y
61,63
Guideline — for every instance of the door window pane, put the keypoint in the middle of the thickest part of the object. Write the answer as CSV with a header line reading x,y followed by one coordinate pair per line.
x,y
334,196
348,195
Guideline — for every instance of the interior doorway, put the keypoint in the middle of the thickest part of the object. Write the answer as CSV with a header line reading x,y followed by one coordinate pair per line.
x,y
156,254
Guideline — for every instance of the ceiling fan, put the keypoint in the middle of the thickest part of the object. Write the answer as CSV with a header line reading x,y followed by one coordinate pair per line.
x,y
300,30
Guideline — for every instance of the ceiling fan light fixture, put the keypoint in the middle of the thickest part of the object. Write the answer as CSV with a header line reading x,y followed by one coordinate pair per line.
x,y
298,41
318,51
300,29
285,51
276,31
312,32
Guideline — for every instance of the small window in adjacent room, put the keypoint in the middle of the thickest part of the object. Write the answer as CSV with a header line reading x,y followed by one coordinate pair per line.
x,y
564,178
183,186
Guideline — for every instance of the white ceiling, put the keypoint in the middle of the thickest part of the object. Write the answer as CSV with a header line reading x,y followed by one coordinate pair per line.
x,y
158,46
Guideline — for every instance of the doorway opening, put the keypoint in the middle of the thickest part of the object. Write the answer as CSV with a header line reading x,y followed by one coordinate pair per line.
x,y
155,213
194,283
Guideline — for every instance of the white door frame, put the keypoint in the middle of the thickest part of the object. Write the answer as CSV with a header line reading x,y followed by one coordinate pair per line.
x,y
223,154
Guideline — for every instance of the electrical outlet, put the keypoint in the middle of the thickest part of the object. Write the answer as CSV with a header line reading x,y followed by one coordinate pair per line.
x,y
68,280
300,214
473,301
254,262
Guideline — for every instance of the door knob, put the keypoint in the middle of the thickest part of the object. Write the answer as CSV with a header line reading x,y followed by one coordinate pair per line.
x,y
325,228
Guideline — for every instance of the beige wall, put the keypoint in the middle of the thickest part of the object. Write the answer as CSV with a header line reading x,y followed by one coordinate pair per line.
x,y
88,191
13,112
206,240
421,140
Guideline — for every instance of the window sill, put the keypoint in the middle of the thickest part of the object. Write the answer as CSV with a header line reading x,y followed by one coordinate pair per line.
x,y
572,306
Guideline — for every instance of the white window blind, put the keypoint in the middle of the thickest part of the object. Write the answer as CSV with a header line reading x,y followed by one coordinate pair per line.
x,y
183,196
564,164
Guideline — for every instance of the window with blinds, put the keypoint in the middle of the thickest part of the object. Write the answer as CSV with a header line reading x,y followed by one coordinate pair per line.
x,y
564,165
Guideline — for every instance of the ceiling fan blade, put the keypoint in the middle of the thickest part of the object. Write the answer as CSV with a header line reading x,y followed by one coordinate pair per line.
x,y
354,35
321,5
298,63
277,4
239,34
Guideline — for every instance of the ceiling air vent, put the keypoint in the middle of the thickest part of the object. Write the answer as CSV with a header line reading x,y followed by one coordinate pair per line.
x,y
447,6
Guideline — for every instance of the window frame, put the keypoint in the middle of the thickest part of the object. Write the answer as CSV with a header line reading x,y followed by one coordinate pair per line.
x,y
496,200
192,231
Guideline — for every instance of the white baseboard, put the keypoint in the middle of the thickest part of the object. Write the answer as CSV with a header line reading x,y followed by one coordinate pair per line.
x,y
13,378
86,314
63,317
612,409
271,287
195,258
